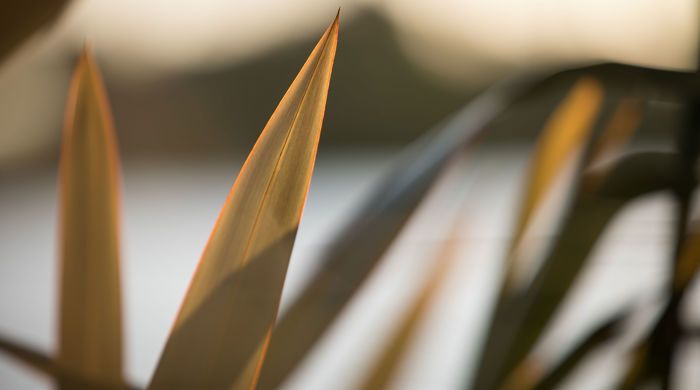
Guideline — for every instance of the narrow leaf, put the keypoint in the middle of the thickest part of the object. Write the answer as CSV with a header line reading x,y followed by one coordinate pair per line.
x,y
567,129
357,250
233,298
613,136
666,337
528,314
597,337
532,375
616,134
35,359
384,369
90,339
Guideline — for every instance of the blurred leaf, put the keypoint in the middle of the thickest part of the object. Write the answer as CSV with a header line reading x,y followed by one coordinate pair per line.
x,y
566,130
650,356
616,134
47,366
391,357
225,307
666,336
636,371
575,112
630,177
90,335
620,127
21,19
37,360
525,375
597,337
357,250
524,319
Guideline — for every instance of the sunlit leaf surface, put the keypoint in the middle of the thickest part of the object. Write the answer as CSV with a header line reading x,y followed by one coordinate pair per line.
x,y
566,131
219,335
355,252
618,130
650,357
90,339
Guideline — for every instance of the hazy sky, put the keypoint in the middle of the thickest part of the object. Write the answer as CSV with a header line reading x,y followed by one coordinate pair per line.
x,y
442,35
462,43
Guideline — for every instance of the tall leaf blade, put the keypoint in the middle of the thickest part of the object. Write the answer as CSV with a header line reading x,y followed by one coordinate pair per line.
x,y
631,177
565,131
354,253
233,298
574,114
647,356
90,339
393,354
619,129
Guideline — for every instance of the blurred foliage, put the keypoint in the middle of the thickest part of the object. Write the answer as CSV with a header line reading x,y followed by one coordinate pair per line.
x,y
224,336
90,324
220,336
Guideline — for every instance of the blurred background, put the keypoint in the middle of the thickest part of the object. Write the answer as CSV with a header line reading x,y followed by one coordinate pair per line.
x,y
192,84
191,78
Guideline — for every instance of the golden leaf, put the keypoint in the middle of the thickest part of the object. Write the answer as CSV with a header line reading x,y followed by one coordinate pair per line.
x,y
90,344
564,132
232,302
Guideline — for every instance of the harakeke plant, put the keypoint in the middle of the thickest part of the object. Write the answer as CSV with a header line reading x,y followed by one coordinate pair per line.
x,y
227,335
219,337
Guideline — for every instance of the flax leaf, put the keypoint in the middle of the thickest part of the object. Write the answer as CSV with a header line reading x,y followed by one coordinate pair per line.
x,y
90,335
219,337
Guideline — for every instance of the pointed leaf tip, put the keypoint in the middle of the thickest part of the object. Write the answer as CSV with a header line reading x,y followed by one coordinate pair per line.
x,y
89,329
220,335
